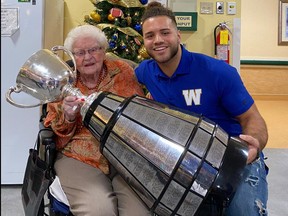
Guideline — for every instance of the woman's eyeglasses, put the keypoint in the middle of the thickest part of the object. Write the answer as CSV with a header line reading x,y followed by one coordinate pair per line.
x,y
91,51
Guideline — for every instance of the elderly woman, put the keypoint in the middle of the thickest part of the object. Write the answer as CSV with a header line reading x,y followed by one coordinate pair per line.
x,y
83,171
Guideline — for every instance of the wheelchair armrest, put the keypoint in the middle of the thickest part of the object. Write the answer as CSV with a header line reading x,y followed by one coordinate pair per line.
x,y
47,137
46,145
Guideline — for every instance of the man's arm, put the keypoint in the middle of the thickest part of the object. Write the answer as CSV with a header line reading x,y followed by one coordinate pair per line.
x,y
254,131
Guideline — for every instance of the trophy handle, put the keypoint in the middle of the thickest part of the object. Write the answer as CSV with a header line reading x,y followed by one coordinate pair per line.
x,y
69,53
18,90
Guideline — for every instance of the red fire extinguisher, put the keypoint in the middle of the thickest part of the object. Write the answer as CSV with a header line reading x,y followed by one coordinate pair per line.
x,y
222,42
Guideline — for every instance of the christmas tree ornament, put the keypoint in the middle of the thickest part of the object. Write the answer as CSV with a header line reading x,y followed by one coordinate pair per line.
x,y
115,36
123,45
144,2
86,18
143,52
95,16
112,44
129,20
138,27
127,3
111,18
116,12
137,41
140,58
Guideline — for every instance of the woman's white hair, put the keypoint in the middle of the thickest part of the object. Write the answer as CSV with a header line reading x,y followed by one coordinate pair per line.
x,y
84,31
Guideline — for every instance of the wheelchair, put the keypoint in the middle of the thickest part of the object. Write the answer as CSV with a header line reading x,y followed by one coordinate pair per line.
x,y
46,151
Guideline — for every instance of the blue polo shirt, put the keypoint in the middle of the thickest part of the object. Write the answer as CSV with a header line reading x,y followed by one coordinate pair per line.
x,y
201,84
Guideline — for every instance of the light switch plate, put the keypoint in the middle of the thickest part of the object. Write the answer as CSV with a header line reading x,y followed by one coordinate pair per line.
x,y
220,7
206,7
231,8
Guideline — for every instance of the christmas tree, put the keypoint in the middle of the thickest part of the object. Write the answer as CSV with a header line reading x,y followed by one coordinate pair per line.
x,y
120,20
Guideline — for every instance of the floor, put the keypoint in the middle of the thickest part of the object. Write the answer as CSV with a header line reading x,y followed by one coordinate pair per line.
x,y
277,160
275,114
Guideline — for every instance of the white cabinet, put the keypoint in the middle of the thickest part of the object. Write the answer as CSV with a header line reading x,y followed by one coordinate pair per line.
x,y
40,25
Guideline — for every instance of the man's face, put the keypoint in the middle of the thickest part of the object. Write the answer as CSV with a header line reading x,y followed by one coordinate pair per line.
x,y
161,38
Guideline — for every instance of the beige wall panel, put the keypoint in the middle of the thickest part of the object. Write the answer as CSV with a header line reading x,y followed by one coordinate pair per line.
x,y
266,80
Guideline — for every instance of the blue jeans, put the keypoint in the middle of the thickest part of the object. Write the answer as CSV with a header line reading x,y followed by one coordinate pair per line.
x,y
252,194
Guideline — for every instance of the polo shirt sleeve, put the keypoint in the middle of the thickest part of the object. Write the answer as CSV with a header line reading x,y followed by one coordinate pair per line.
x,y
235,98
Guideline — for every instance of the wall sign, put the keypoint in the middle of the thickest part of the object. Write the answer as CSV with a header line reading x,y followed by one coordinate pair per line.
x,y
9,21
186,21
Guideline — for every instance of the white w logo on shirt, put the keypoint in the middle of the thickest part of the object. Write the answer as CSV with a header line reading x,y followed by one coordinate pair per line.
x,y
192,95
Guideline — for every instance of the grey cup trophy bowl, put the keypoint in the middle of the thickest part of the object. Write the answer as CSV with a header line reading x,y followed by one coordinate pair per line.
x,y
174,160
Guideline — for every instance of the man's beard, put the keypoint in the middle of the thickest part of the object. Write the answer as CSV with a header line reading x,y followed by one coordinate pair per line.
x,y
159,59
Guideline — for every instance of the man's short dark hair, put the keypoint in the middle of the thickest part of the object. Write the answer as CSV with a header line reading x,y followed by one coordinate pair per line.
x,y
154,9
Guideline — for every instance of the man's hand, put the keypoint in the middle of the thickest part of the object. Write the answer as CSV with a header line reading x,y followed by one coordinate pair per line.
x,y
253,147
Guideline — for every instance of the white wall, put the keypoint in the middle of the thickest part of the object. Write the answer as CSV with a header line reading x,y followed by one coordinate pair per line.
x,y
259,31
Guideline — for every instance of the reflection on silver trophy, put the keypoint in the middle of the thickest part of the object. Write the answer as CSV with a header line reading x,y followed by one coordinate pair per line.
x,y
172,159
44,76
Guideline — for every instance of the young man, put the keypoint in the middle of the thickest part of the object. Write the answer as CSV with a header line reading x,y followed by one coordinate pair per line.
x,y
210,87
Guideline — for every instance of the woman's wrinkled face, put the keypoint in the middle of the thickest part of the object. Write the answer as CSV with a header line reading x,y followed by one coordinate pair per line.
x,y
89,55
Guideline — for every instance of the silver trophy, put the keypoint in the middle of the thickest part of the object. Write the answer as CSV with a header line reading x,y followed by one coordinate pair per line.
x,y
44,76
173,160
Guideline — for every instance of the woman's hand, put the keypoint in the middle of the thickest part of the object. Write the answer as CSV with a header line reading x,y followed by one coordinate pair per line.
x,y
71,107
